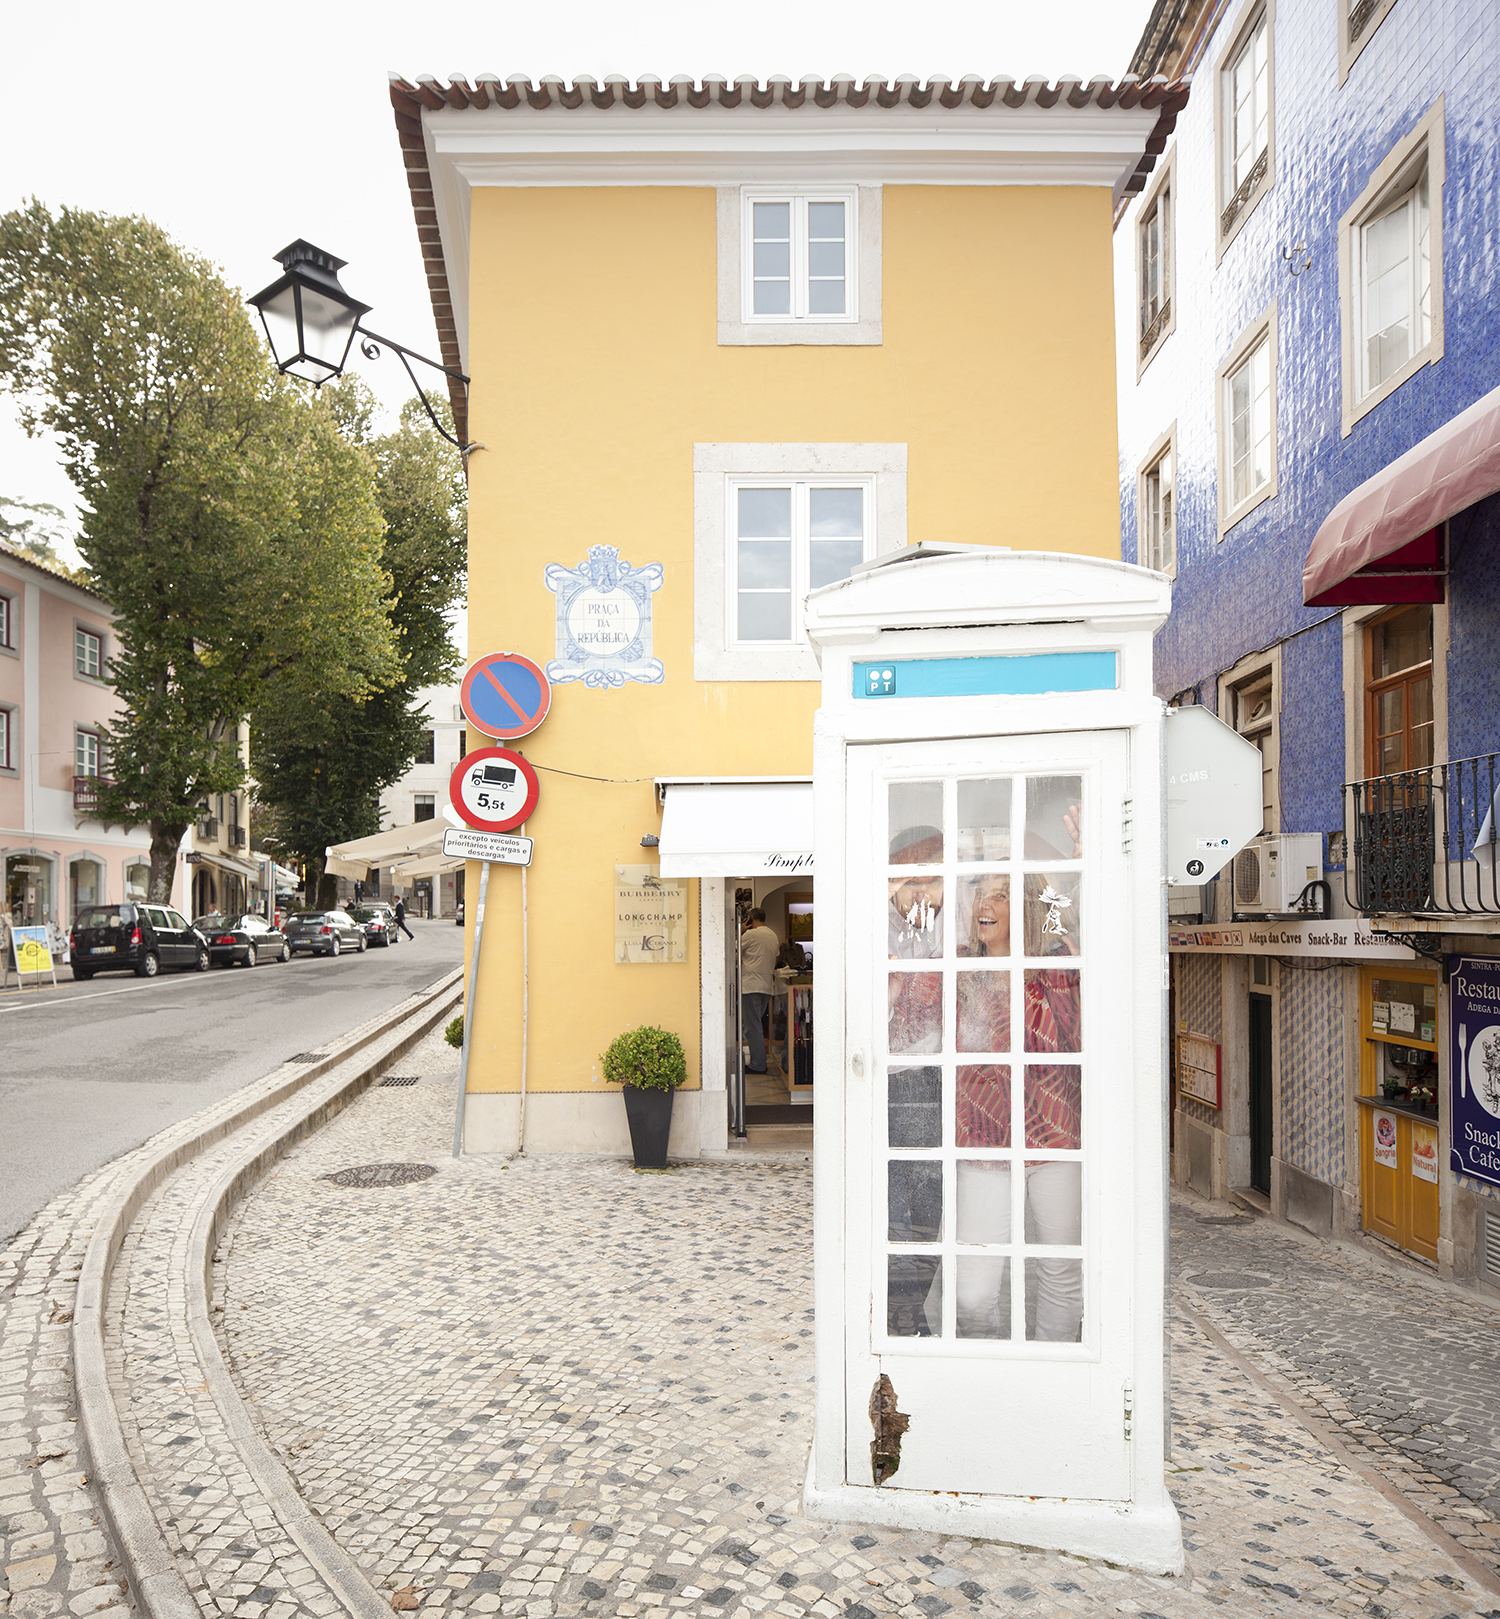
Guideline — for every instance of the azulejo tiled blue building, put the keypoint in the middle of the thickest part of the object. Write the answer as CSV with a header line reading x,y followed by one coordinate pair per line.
x,y
1309,393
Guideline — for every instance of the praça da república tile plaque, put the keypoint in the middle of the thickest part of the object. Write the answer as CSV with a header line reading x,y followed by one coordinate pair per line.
x,y
650,915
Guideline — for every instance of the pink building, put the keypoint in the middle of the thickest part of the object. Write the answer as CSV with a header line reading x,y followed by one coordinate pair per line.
x,y
55,855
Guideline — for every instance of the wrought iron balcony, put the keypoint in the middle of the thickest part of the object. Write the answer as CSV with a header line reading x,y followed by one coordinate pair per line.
x,y
236,837
86,791
208,828
1423,842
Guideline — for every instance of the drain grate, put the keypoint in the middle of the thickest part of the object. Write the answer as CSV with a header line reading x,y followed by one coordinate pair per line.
x,y
380,1175
308,1056
404,1079
1229,1281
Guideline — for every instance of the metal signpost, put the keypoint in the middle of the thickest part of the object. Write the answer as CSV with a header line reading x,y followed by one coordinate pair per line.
x,y
493,791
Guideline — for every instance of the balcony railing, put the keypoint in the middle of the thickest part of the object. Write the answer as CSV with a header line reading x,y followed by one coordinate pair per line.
x,y
236,837
1424,842
208,828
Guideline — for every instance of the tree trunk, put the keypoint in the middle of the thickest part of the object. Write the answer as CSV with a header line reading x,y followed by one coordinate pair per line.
x,y
328,892
312,881
165,837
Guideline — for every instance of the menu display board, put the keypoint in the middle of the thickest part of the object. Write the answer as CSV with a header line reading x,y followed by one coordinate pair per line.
x,y
1198,1069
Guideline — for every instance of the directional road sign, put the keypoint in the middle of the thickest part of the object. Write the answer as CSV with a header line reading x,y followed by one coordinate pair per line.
x,y
505,695
501,846
494,789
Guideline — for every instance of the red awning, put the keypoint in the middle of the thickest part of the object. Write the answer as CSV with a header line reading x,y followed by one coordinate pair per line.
x,y
1383,542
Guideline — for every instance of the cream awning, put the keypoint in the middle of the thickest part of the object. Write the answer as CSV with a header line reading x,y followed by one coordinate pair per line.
x,y
736,827
354,858
427,866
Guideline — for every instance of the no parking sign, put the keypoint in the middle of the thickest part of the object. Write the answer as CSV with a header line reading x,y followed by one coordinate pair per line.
x,y
505,695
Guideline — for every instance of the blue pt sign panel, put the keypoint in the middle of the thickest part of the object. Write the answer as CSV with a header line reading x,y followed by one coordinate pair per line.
x,y
1474,1066
1016,675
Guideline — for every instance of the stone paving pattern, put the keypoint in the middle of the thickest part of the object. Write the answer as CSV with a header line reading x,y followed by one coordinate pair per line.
x,y
555,1387
1404,1364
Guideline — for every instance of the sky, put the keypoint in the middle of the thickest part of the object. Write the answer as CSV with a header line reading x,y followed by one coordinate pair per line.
x,y
241,128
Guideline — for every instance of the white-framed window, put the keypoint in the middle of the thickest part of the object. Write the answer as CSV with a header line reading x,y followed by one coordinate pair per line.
x,y
800,255
787,537
770,523
1157,506
1245,114
88,653
5,745
87,753
1358,20
1154,266
424,806
799,264
1253,712
6,627
1391,270
1247,422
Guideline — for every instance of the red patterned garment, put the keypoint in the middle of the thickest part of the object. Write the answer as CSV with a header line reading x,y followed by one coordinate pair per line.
x,y
916,1013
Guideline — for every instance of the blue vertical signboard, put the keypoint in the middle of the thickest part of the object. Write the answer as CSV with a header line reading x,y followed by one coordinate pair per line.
x,y
1474,1067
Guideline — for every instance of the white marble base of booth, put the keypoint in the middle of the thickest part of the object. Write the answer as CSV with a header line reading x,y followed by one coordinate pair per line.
x,y
1148,1539
573,1121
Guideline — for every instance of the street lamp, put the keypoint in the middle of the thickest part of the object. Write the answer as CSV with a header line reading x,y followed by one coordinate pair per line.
x,y
311,324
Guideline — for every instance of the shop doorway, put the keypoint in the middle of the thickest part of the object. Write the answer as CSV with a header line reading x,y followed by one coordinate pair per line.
x,y
774,1108
1399,1102
1260,1093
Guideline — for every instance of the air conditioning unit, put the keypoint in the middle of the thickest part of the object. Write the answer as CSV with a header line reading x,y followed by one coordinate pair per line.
x,y
1185,899
1269,873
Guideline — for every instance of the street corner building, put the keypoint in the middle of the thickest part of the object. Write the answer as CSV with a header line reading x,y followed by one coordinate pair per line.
x,y
729,343
1309,387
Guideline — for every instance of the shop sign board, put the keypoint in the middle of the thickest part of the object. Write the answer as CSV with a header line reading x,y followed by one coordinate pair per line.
x,y
505,695
32,952
1347,937
650,916
1474,1066
494,790
503,847
1385,1138
1424,1150
1214,804
1198,1069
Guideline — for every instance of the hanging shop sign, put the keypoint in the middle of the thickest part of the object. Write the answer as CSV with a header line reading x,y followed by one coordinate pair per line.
x,y
1348,937
650,915
1474,1066
604,620
1214,803
505,695
494,790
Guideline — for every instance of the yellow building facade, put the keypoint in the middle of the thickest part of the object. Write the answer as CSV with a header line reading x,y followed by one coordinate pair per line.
x,y
726,343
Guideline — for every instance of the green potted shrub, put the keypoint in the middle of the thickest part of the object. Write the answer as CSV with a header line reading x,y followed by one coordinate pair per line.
x,y
649,1064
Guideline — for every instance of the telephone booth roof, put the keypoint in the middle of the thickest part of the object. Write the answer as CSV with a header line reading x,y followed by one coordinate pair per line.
x,y
941,587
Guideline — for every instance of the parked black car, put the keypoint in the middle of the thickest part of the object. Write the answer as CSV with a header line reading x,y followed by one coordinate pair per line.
x,y
378,921
138,938
324,933
247,939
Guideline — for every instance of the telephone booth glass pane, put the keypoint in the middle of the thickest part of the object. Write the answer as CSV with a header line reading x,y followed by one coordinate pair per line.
x,y
916,1012
914,1107
914,1296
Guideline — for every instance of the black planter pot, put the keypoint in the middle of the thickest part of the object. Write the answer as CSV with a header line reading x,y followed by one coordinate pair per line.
x,y
649,1113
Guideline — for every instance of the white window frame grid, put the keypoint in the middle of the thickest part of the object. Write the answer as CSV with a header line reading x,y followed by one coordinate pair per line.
x,y
798,200
5,742
1146,556
801,544
1158,202
417,803
1396,177
1261,329
1241,38
82,765
84,636
7,622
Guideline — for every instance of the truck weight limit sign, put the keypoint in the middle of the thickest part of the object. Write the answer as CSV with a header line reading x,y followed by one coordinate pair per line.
x,y
494,789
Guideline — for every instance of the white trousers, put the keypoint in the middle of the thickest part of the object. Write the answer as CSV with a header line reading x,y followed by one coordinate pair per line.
x,y
1054,1198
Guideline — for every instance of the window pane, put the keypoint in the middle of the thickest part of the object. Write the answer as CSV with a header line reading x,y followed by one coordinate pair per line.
x,y
765,564
1053,817
1057,1315
914,930
984,1011
983,1295
825,297
1388,706
1054,1106
981,1111
836,513
914,1107
1388,293
832,560
1405,640
915,1003
826,259
914,1201
1421,701
773,220
1424,265
1052,1011
916,820
825,221
914,1296
765,513
773,297
773,259
982,926
765,616
984,819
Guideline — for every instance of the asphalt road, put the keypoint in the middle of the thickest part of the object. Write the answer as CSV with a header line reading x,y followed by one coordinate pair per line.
x,y
90,1070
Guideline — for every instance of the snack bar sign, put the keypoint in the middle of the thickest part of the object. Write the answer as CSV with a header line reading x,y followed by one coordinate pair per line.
x,y
1474,1066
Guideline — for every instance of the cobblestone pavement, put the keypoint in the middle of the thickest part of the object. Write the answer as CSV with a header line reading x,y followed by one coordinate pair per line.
x,y
556,1387
1405,1365
55,1556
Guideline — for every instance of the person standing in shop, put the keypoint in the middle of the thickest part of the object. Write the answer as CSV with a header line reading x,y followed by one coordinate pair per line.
x,y
759,948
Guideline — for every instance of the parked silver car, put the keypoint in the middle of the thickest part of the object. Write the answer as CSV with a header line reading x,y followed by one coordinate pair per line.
x,y
323,933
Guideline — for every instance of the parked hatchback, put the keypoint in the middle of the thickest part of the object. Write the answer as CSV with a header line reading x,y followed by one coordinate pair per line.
x,y
136,938
323,933
247,939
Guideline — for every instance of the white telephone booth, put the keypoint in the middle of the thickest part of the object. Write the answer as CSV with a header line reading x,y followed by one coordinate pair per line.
x,y
991,1094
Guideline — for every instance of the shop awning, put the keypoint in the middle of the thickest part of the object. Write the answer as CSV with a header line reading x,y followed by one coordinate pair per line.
x,y
736,826
235,867
1383,542
354,858
433,865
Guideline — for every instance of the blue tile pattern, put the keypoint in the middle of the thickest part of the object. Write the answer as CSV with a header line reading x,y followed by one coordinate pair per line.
x,y
1315,1005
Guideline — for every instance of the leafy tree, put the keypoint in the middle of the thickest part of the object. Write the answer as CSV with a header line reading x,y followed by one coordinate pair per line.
x,y
324,767
229,522
34,528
